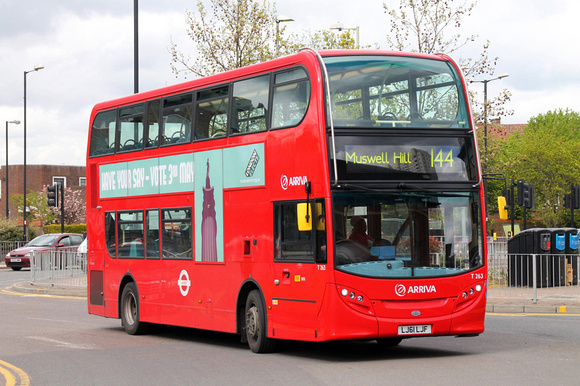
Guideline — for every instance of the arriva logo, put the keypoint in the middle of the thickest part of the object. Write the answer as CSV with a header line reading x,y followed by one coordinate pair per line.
x,y
401,290
287,182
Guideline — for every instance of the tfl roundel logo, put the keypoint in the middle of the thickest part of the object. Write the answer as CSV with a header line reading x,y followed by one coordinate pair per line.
x,y
400,290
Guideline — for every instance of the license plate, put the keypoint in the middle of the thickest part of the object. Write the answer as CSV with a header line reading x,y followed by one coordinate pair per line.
x,y
16,260
419,329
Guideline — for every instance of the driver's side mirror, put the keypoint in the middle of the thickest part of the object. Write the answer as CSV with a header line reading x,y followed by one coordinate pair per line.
x,y
305,217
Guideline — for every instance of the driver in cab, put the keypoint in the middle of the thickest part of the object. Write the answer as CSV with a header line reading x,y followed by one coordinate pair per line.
x,y
359,232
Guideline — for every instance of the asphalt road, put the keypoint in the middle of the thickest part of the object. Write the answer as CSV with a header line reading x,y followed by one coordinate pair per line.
x,y
52,340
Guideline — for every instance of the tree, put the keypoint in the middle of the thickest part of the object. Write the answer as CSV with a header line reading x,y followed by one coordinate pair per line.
x,y
423,25
38,209
239,33
328,40
544,155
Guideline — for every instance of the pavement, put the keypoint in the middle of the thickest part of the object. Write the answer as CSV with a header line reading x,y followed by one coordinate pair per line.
x,y
567,301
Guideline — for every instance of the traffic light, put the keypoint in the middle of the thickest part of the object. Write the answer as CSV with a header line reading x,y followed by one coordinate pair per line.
x,y
575,197
52,194
521,192
526,195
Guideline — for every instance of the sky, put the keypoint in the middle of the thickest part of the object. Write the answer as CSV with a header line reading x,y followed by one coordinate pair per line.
x,y
86,48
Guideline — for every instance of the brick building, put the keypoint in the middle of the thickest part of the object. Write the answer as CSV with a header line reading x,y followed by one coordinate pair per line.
x,y
37,177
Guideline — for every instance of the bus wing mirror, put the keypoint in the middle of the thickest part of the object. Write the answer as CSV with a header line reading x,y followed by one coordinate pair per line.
x,y
306,216
502,206
304,213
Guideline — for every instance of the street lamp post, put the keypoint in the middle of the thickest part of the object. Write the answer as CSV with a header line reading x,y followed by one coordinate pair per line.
x,y
339,26
7,185
485,82
280,19
135,46
37,67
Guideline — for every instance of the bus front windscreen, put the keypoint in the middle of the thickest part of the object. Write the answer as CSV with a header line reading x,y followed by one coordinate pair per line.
x,y
407,234
395,91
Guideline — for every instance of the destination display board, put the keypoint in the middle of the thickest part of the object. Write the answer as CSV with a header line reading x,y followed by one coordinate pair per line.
x,y
406,158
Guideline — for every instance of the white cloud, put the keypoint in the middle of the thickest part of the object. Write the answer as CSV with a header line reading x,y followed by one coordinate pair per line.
x,y
87,51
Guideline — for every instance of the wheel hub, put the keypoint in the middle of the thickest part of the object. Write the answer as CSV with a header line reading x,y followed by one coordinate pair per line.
x,y
252,321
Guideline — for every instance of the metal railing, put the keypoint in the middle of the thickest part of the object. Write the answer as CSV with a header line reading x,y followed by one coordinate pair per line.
x,y
7,246
532,276
63,267
523,276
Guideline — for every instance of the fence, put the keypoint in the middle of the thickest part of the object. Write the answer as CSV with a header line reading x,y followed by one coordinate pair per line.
x,y
531,276
7,246
523,276
61,267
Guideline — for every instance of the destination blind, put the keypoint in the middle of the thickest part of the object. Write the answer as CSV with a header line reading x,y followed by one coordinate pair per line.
x,y
405,158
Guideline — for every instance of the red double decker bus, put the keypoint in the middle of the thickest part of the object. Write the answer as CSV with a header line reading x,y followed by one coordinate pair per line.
x,y
319,196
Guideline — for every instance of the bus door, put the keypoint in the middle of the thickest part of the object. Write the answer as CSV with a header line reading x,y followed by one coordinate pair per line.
x,y
97,257
299,268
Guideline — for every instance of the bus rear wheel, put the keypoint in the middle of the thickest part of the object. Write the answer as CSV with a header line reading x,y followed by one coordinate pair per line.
x,y
130,311
256,326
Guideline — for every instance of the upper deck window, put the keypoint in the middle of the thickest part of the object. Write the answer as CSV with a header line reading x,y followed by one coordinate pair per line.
x,y
250,105
153,137
131,128
395,91
211,113
103,133
291,98
177,119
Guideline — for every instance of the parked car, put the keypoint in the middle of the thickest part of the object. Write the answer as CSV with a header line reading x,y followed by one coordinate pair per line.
x,y
20,257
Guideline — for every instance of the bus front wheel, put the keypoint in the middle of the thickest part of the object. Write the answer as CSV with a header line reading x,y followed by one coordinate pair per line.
x,y
255,324
130,311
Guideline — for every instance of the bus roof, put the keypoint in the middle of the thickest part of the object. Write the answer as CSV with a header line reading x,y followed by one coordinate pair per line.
x,y
301,56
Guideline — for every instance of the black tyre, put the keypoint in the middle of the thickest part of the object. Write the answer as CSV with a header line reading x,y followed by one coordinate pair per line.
x,y
389,342
130,311
256,324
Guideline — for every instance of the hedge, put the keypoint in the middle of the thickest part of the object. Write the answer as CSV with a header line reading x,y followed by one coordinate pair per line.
x,y
72,228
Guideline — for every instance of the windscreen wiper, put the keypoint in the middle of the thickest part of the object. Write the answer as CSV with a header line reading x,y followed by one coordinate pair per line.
x,y
353,187
406,185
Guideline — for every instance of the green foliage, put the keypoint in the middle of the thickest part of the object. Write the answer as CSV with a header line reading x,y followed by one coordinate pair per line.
x,y
544,155
431,26
38,209
236,33
327,40
37,206
71,228
10,231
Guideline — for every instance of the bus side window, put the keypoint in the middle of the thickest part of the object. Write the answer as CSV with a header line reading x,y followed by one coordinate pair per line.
x,y
103,133
177,119
131,128
291,98
130,235
291,244
250,101
176,237
111,234
152,237
153,133
211,113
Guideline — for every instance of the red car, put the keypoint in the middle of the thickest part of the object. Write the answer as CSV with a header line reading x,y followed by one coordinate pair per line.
x,y
20,257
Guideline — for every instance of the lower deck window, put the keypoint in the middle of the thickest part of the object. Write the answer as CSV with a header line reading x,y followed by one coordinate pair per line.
x,y
176,233
293,244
